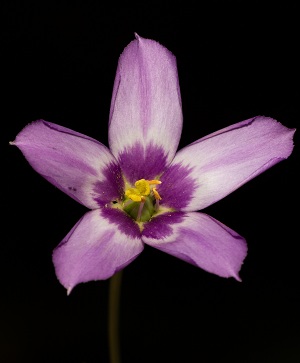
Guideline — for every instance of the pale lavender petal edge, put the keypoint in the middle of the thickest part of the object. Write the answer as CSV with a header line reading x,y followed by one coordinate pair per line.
x,y
95,248
223,161
198,239
78,165
146,101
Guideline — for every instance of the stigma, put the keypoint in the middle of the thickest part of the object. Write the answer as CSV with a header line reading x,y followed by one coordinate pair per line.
x,y
142,200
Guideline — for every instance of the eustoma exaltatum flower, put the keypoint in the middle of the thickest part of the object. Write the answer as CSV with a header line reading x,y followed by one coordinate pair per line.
x,y
140,191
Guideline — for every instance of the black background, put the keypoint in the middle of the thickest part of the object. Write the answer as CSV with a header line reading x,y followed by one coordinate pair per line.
x,y
236,60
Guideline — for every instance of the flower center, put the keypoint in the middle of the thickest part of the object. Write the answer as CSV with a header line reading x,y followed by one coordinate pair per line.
x,y
142,201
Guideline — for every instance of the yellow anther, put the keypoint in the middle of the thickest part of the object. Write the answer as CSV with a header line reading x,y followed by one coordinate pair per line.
x,y
154,181
142,189
142,186
156,194
133,194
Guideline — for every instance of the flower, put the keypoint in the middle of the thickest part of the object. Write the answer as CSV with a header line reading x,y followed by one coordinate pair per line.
x,y
139,190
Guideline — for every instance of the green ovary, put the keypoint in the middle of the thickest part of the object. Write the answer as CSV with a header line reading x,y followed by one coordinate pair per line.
x,y
138,213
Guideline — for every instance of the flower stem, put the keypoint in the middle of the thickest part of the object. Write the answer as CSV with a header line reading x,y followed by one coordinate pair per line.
x,y
113,317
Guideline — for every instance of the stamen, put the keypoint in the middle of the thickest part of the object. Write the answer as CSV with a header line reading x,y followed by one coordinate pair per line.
x,y
142,200
156,194
156,205
142,186
141,206
154,181
157,198
133,194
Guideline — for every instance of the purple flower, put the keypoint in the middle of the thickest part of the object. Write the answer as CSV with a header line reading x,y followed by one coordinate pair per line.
x,y
140,191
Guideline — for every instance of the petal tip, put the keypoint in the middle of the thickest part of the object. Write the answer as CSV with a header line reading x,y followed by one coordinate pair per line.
x,y
69,289
237,277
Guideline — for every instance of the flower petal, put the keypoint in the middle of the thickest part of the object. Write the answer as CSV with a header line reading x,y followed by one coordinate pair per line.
x,y
103,242
146,109
78,165
198,239
214,166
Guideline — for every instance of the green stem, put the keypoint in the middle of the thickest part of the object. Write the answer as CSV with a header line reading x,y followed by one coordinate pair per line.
x,y
113,317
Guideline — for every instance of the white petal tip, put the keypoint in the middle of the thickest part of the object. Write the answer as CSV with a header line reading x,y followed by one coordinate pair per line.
x,y
69,290
237,277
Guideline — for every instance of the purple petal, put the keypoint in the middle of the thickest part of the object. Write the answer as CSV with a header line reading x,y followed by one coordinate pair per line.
x,y
198,239
146,103
217,164
78,165
142,162
96,248
177,187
